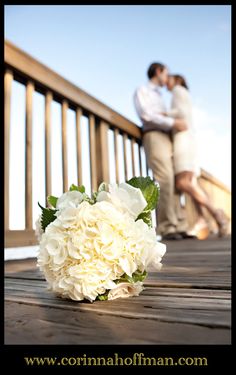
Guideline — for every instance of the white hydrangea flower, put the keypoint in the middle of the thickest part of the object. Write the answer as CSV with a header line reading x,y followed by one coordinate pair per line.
x,y
69,199
87,247
125,198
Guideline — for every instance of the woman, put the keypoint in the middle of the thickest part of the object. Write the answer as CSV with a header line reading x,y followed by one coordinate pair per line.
x,y
185,161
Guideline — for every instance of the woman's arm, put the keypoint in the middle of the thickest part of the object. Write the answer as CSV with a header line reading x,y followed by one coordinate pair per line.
x,y
175,112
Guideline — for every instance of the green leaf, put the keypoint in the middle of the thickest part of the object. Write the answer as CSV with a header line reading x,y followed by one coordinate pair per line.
x,y
102,187
103,297
80,188
52,200
48,216
146,216
136,276
149,188
124,279
139,276
94,197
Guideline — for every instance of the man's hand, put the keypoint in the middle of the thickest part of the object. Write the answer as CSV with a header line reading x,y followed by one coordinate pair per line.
x,y
180,125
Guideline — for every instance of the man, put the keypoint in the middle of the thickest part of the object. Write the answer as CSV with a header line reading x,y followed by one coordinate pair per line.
x,y
157,143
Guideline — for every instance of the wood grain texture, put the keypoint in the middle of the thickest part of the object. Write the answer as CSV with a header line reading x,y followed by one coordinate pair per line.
x,y
38,324
187,302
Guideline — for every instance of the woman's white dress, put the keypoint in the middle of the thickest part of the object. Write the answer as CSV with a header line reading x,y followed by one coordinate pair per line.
x,y
184,142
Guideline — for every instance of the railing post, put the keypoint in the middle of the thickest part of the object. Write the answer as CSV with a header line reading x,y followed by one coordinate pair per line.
x,y
117,154
64,145
48,102
102,152
28,155
140,159
78,145
125,156
93,154
132,156
7,112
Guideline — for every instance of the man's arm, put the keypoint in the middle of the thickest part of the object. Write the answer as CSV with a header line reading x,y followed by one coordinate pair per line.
x,y
175,112
147,115
158,120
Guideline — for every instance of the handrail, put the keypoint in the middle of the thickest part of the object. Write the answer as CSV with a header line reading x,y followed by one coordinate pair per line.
x,y
209,177
47,78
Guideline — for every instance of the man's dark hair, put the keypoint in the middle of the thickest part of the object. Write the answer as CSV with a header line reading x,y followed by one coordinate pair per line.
x,y
153,67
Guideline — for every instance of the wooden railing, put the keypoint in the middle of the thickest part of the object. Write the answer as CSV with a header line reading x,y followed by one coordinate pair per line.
x,y
36,77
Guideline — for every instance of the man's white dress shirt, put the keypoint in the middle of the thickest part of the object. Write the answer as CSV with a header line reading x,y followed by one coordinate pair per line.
x,y
149,105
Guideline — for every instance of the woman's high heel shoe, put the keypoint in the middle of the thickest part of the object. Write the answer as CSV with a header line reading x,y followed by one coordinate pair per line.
x,y
200,230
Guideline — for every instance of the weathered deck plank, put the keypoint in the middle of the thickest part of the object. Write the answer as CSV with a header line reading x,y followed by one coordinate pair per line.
x,y
53,327
188,302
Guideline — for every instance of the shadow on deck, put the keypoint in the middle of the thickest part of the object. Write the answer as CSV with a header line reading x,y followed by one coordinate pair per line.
x,y
188,302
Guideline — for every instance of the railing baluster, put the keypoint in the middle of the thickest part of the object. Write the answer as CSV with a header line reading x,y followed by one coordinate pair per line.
x,y
140,159
78,145
7,112
64,145
125,156
28,154
48,103
116,134
102,153
92,142
147,168
132,154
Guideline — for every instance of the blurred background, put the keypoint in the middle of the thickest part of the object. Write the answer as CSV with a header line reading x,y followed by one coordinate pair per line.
x,y
105,51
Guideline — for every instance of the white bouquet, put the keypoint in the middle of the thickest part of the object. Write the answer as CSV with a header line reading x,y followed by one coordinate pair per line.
x,y
100,247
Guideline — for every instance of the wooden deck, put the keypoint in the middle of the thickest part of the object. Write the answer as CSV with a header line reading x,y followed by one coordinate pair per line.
x,y
188,302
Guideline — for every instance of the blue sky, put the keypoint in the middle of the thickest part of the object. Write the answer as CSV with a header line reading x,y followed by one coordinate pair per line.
x,y
106,50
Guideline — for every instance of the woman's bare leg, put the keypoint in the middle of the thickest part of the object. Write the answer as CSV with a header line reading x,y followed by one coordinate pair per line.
x,y
200,229
199,209
187,182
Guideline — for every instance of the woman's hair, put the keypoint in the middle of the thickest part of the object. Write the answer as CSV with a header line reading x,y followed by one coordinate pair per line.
x,y
180,80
